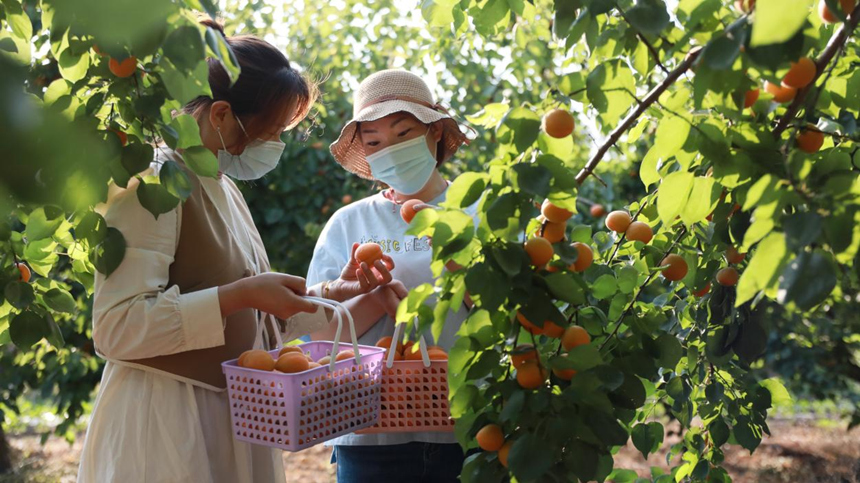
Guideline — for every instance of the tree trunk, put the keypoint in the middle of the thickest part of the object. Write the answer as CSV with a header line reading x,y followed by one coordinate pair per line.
x,y
5,453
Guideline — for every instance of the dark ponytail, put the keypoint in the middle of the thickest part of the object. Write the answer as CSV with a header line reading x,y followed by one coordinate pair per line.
x,y
267,86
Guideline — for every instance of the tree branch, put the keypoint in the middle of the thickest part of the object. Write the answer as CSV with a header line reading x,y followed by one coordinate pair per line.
x,y
836,42
631,118
620,320
648,45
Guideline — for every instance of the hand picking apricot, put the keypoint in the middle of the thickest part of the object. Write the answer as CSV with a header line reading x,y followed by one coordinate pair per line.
x,y
810,139
618,221
259,359
530,375
24,272
292,362
800,74
781,94
574,336
639,231
584,257
539,250
728,276
368,253
124,68
677,267
490,437
558,123
597,210
828,16
407,210
554,213
733,256
523,352
750,97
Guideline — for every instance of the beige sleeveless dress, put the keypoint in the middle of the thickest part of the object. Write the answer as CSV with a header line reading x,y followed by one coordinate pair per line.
x,y
162,413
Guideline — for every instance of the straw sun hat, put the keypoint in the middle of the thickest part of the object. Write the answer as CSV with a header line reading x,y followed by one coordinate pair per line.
x,y
384,93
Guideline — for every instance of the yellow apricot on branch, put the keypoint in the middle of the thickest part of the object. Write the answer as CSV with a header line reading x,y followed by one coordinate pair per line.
x,y
618,221
558,123
677,267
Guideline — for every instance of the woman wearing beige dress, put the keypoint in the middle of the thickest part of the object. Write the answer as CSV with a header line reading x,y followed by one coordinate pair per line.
x,y
194,289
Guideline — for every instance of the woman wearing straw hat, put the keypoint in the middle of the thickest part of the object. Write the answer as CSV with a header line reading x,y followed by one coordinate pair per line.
x,y
398,136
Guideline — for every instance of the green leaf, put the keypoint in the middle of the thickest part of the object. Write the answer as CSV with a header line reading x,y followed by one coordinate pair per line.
x,y
631,394
778,393
673,195
184,47
490,116
584,357
108,254
220,50
42,224
529,460
801,229
490,17
604,287
721,52
18,20
764,268
438,13
647,437
156,198
520,128
564,287
533,178
564,16
28,328
719,432
702,200
610,87
747,433
465,191
137,157
187,130
185,86
672,133
73,67
776,21
808,280
92,228
60,300
55,335
201,161
649,16
670,350
175,180
19,294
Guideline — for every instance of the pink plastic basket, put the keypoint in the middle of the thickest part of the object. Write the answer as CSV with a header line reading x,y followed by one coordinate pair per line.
x,y
414,395
296,411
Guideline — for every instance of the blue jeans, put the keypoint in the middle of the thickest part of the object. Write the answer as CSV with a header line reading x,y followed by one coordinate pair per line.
x,y
410,462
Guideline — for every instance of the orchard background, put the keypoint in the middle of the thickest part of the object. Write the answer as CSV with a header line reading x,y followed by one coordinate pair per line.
x,y
674,123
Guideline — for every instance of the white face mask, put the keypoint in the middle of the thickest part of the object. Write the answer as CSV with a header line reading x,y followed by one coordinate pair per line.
x,y
406,167
256,160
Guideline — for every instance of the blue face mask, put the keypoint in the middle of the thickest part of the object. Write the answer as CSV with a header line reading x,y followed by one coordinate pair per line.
x,y
406,167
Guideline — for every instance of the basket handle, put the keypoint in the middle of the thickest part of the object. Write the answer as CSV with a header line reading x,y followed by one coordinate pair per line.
x,y
338,309
422,345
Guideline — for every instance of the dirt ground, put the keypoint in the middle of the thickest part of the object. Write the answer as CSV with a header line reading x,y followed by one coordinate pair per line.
x,y
799,452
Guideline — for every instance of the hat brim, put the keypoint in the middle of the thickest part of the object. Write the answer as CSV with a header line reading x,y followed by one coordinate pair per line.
x,y
349,153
